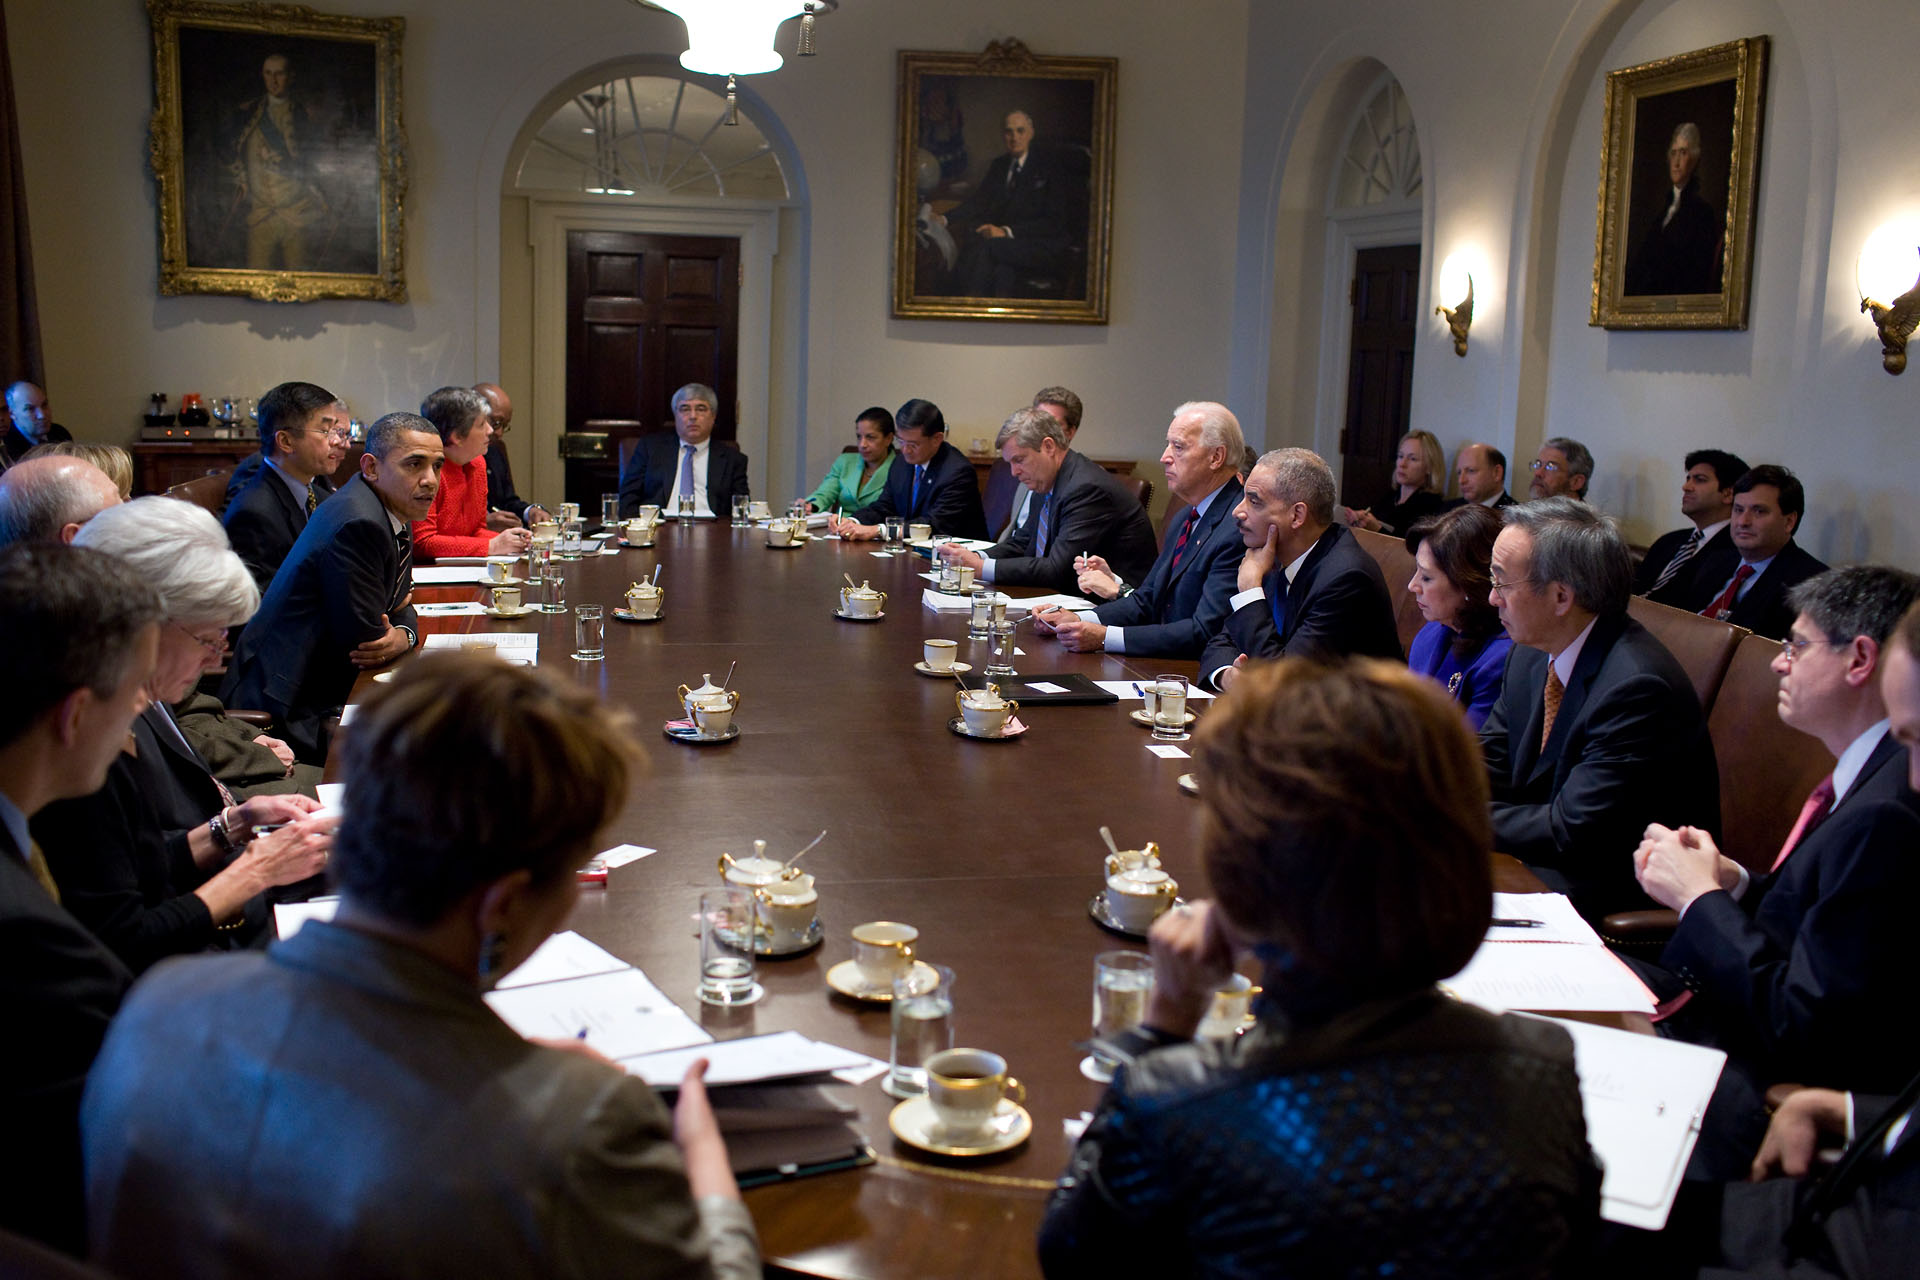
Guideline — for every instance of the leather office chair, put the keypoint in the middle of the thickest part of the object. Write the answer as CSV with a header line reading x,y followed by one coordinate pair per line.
x,y
1142,489
999,495
1703,646
1396,566
209,491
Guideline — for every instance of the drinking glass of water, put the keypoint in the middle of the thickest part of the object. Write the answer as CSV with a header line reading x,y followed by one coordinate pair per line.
x,y
609,510
1167,707
922,1027
589,632
727,920
1121,981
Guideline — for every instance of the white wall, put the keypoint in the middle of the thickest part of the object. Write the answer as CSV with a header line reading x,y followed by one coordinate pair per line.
x,y
1507,97
474,70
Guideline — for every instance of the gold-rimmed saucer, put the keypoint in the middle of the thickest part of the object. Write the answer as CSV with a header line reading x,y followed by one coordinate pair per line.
x,y
915,1123
1146,721
859,617
845,979
941,673
521,612
1189,784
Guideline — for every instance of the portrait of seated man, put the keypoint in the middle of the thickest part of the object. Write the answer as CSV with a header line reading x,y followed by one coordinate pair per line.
x,y
1021,232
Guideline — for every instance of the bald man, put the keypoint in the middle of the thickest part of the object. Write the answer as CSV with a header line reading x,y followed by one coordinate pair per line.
x,y
45,500
505,508
28,423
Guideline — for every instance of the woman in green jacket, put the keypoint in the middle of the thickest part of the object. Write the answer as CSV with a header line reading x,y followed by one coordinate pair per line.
x,y
856,479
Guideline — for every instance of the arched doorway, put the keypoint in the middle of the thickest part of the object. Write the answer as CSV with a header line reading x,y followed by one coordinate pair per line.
x,y
649,226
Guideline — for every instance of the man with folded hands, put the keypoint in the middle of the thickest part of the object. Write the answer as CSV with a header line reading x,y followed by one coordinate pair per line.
x,y
1183,599
1794,971
1079,508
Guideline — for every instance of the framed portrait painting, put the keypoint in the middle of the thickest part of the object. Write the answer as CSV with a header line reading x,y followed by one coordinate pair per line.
x,y
1003,206
277,148
1679,167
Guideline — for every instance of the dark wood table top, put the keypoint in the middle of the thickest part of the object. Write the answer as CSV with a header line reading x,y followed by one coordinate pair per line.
x,y
991,849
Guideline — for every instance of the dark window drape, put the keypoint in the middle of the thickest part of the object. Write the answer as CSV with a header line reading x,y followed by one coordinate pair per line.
x,y
20,354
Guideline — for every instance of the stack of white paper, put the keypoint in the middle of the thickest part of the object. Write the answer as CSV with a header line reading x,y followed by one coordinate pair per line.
x,y
288,917
522,647
448,575
564,955
1643,1097
1558,921
942,602
779,1056
1575,979
1034,603
621,1014
1134,690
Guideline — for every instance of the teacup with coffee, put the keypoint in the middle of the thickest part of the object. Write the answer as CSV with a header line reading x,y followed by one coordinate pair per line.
x,y
966,1087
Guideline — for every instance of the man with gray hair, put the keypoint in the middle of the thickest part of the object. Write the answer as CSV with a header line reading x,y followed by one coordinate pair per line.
x,y
1307,588
46,500
1184,598
1062,404
1080,509
1597,732
1562,468
341,601
1681,251
693,465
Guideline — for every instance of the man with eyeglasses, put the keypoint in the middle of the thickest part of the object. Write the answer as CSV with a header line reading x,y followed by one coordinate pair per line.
x,y
303,437
1562,468
506,509
1794,971
1597,731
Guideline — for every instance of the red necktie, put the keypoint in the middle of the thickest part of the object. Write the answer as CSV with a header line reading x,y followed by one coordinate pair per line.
x,y
1814,812
1180,547
1723,606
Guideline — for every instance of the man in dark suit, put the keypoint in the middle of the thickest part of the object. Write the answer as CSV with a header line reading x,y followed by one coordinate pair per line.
x,y
693,464
1183,599
1022,216
302,438
1677,561
1792,972
936,485
506,509
1768,502
1597,731
86,629
1680,251
1306,588
1080,509
340,601
248,467
1482,472
27,423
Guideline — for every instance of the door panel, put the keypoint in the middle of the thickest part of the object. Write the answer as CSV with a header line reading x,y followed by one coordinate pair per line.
x,y
1386,293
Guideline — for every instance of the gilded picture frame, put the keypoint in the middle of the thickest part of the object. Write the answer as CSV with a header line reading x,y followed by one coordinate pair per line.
x,y
1019,148
278,152
1673,246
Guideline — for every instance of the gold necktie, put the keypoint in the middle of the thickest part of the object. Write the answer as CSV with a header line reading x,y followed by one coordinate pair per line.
x,y
37,863
1551,703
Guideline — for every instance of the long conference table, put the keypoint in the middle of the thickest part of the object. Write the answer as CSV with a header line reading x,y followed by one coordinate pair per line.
x,y
991,849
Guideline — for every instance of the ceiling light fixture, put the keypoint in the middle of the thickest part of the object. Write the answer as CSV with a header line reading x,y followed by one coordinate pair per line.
x,y
735,37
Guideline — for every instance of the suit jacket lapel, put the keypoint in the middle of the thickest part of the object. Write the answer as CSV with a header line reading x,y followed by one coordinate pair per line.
x,y
1203,530
1599,644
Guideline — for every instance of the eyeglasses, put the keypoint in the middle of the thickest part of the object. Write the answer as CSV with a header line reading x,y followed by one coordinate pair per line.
x,y
1538,465
500,425
1505,585
214,648
1791,649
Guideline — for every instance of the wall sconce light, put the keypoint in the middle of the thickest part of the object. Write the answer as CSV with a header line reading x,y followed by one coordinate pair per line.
x,y
1887,266
1456,281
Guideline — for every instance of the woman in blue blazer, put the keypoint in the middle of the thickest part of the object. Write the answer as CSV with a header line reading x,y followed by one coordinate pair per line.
x,y
1463,645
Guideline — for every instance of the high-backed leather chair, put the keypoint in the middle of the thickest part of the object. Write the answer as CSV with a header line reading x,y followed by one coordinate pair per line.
x,y
998,496
1703,646
1396,565
209,491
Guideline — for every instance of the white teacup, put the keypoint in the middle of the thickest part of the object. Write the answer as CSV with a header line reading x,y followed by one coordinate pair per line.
x,y
965,1087
985,711
780,532
713,712
498,572
545,532
919,531
883,951
1227,1012
789,907
861,602
939,654
506,599
1135,899
644,600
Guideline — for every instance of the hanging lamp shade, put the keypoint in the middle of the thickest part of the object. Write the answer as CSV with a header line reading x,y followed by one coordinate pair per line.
x,y
735,37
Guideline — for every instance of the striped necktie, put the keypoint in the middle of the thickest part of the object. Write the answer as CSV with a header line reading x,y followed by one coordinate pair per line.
x,y
403,582
1686,552
1186,530
1043,529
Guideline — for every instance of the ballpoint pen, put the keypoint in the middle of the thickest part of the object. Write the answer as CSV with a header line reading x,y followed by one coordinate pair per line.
x,y
1499,923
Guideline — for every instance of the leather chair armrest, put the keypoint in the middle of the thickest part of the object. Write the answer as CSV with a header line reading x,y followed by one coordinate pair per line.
x,y
1639,932
258,719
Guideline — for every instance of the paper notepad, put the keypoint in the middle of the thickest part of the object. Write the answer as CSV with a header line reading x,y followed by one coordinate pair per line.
x,y
778,1056
522,647
1519,975
447,575
564,955
622,1014
1644,1097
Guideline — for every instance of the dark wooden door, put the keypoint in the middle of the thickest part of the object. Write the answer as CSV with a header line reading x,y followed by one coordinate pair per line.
x,y
646,315
1386,297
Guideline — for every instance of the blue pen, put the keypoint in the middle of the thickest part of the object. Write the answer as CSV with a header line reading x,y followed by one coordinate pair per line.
x,y
581,1034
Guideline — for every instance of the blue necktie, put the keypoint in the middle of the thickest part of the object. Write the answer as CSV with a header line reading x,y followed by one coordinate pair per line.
x,y
1279,599
686,470
919,475
1043,531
